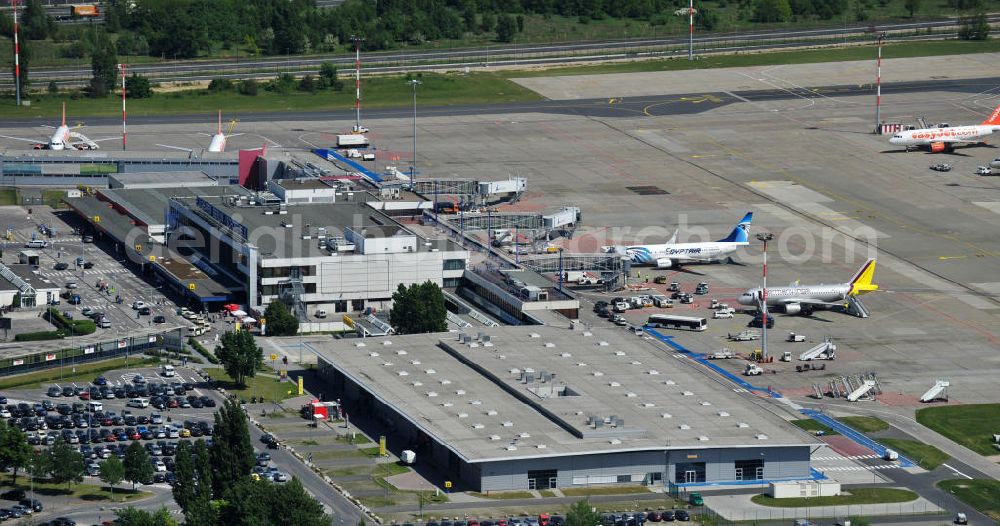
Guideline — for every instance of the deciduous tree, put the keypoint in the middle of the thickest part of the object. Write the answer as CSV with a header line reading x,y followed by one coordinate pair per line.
x,y
232,451
240,355
112,473
418,308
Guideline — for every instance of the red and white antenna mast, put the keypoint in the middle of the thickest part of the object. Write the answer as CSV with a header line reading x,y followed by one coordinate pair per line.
x,y
357,80
17,57
122,68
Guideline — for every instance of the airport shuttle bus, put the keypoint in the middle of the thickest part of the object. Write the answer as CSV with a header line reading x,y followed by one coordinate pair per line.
x,y
684,323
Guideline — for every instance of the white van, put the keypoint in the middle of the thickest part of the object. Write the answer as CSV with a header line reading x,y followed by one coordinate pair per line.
x,y
141,403
166,370
37,243
95,406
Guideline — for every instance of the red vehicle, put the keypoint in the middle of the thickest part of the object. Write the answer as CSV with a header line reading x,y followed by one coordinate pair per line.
x,y
84,395
172,403
543,519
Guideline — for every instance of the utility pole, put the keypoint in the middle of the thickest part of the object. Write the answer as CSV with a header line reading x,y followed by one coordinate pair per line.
x,y
17,57
122,68
764,237
413,167
357,80
879,38
690,29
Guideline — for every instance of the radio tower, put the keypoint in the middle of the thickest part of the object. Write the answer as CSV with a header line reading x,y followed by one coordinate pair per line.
x,y
17,58
357,80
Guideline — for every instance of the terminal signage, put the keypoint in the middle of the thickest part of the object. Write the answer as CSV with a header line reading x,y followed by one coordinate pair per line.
x,y
222,217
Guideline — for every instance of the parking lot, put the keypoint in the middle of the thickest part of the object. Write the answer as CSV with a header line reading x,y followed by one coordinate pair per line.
x,y
102,417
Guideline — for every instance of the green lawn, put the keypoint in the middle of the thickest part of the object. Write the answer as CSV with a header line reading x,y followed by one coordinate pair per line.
x,y
265,386
604,490
54,198
969,425
856,496
85,492
503,495
865,424
813,426
84,373
8,196
928,456
984,495
382,91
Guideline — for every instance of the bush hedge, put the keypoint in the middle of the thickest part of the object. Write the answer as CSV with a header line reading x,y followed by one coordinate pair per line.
x,y
203,351
72,327
39,336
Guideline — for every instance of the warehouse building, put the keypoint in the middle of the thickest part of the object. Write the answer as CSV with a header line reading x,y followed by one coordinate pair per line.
x,y
540,407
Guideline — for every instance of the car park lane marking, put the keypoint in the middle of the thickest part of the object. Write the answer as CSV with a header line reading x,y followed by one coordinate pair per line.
x,y
957,472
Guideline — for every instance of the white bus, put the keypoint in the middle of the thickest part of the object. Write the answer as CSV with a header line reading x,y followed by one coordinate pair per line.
x,y
685,323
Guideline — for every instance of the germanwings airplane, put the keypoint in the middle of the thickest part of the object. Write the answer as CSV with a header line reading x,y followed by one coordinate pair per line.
x,y
63,137
945,138
218,143
673,254
804,299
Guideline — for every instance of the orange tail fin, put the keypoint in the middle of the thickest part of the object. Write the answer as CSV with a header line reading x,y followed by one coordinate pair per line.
x,y
64,114
994,119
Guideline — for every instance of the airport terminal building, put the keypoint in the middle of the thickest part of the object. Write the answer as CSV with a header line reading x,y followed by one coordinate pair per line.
x,y
544,407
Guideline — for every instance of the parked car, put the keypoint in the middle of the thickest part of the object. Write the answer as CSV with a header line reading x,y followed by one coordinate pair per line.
x,y
941,167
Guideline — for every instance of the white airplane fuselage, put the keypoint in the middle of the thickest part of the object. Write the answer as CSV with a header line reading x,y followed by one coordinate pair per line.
x,y
59,139
941,138
670,254
218,143
777,296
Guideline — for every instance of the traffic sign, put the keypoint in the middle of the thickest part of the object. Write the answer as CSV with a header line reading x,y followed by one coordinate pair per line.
x,y
97,219
447,484
274,357
191,286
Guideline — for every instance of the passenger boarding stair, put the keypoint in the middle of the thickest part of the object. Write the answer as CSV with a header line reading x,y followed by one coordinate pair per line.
x,y
862,391
934,393
824,351
856,307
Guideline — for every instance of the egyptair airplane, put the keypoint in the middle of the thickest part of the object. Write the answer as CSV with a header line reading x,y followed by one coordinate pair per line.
x,y
795,298
673,254
64,138
946,138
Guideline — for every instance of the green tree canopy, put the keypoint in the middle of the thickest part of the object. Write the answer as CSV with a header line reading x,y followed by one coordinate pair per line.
x,y
135,517
137,466
240,355
259,502
184,483
771,11
138,87
104,60
112,473
65,463
232,451
418,308
36,24
15,452
280,321
581,514
506,28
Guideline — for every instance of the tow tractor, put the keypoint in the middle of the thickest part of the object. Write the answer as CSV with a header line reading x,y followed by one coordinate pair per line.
x,y
752,369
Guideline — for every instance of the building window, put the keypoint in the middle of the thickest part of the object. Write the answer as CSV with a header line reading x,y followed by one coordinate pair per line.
x,y
752,469
688,472
454,264
340,306
310,288
542,478
451,283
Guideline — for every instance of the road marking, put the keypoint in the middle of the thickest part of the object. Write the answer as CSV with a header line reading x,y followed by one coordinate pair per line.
x,y
957,472
951,257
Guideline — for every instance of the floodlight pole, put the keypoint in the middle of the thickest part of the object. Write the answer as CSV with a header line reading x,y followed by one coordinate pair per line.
x,y
764,237
878,81
413,166
17,57
357,80
690,29
122,68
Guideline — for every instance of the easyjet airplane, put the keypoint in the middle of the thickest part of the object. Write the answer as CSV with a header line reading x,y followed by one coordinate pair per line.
x,y
218,143
63,137
945,138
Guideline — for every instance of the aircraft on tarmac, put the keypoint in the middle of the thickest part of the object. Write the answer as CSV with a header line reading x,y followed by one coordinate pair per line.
x,y
218,143
944,138
795,298
64,138
673,254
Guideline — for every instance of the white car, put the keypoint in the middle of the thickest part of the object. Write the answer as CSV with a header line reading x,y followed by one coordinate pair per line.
x,y
71,285
173,433
138,304
719,314
4,413
161,467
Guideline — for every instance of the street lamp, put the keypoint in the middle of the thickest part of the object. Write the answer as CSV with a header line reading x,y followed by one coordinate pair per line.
x,y
764,237
413,167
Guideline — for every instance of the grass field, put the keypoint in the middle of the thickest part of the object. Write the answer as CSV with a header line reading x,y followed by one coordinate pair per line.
x,y
865,424
54,198
969,425
85,492
503,495
984,495
812,426
928,456
9,196
604,490
265,386
856,496
84,373
452,88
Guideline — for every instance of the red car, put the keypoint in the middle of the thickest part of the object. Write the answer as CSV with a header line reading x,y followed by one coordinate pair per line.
x,y
84,395
172,402
543,519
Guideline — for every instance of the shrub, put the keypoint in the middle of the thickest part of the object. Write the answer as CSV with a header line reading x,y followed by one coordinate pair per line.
x,y
71,327
203,351
248,87
220,85
39,336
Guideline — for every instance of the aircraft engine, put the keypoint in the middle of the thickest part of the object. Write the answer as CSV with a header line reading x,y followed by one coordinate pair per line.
x,y
664,263
937,147
793,308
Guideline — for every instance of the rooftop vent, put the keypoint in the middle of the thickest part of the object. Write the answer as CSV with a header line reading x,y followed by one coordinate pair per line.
x,y
445,381
703,438
359,344
415,362
523,434
541,446
602,343
631,395
373,354
653,372
387,364
475,402
494,437
386,342
761,437
447,404
550,344
742,425
614,384
431,394
566,355
669,382
508,424
417,383
491,412
598,373
666,415
636,363
648,404
515,371
723,414
535,335
687,393
403,373
684,426
619,353
614,441
478,426
581,364
430,371
706,403
587,334
463,415
460,392
511,447
401,352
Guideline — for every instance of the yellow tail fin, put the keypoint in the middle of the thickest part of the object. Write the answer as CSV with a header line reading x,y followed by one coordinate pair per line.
x,y
861,283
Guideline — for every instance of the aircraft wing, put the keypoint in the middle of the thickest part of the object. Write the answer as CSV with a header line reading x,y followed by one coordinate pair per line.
x,y
106,139
233,135
36,141
189,150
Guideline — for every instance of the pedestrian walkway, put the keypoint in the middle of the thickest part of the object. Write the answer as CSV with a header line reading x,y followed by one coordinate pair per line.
x,y
741,508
